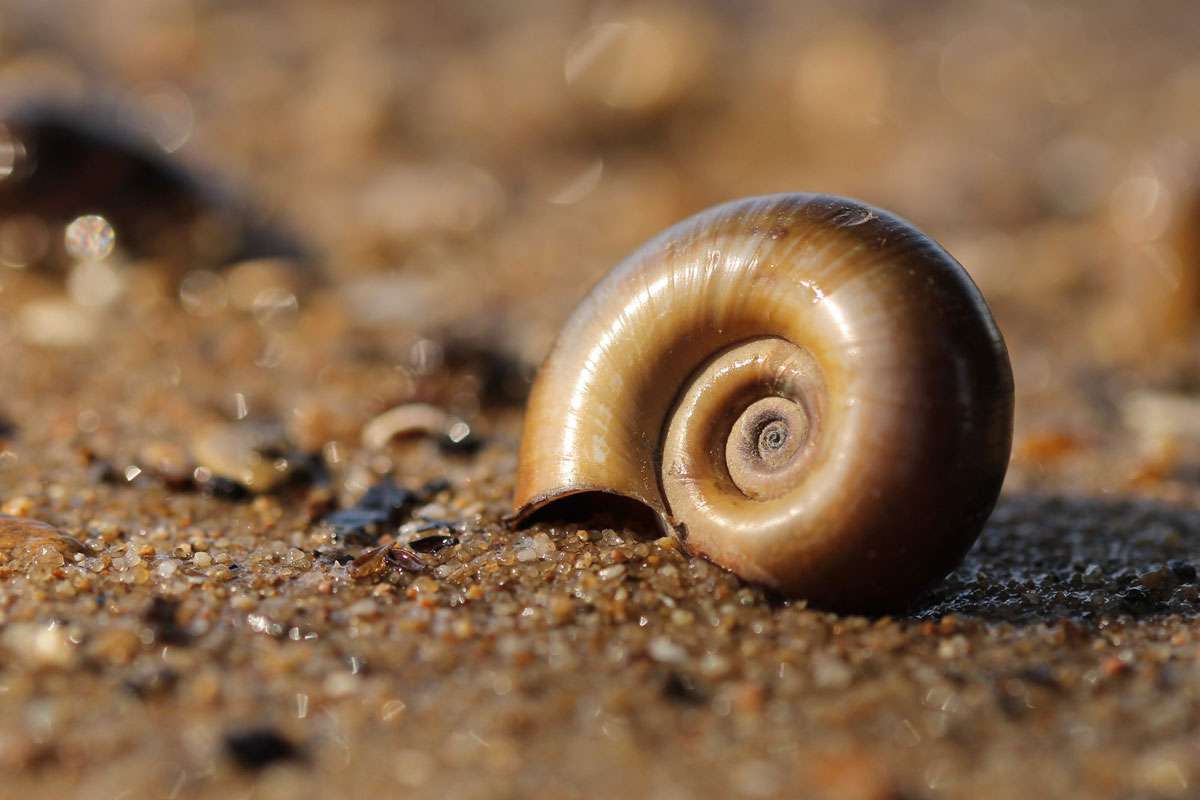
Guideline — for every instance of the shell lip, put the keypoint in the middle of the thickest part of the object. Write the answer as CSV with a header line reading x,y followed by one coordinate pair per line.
x,y
523,512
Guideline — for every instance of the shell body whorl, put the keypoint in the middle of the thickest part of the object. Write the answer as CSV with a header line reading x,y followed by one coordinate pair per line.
x,y
807,390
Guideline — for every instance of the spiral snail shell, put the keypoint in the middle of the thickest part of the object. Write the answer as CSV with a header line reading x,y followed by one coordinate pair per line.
x,y
806,390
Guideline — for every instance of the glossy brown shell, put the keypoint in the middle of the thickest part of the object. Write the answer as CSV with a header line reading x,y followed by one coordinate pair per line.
x,y
902,370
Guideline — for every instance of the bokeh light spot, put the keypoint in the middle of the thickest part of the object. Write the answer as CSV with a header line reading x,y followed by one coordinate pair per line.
x,y
90,238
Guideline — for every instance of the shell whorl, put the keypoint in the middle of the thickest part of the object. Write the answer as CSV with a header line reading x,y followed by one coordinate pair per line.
x,y
807,389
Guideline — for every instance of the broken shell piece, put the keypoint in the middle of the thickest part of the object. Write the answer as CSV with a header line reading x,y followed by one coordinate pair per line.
x,y
25,537
250,455
168,460
412,419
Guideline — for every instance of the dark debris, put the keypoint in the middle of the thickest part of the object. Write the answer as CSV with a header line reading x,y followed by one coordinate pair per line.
x,y
253,749
468,445
682,689
97,157
163,618
385,558
226,489
433,543
384,505
148,684
505,378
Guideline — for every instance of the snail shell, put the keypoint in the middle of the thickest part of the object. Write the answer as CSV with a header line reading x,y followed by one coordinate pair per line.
x,y
806,390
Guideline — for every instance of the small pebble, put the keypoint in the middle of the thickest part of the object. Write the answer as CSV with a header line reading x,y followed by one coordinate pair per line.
x,y
666,651
610,573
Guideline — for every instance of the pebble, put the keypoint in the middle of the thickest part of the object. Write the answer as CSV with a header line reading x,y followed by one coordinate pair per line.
x,y
666,651
1157,579
610,573
384,504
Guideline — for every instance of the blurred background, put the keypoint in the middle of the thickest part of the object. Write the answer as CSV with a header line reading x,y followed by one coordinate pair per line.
x,y
416,185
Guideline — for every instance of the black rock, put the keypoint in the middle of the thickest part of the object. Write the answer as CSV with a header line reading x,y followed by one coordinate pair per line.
x,y
357,523
387,496
384,504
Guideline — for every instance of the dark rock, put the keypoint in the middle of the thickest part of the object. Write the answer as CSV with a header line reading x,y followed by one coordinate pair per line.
x,y
384,504
98,158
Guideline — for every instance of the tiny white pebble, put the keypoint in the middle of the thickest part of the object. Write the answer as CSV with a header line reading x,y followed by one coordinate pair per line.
x,y
830,672
666,651
615,571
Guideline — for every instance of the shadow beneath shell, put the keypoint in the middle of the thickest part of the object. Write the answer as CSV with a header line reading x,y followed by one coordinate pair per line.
x,y
599,510
1045,558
